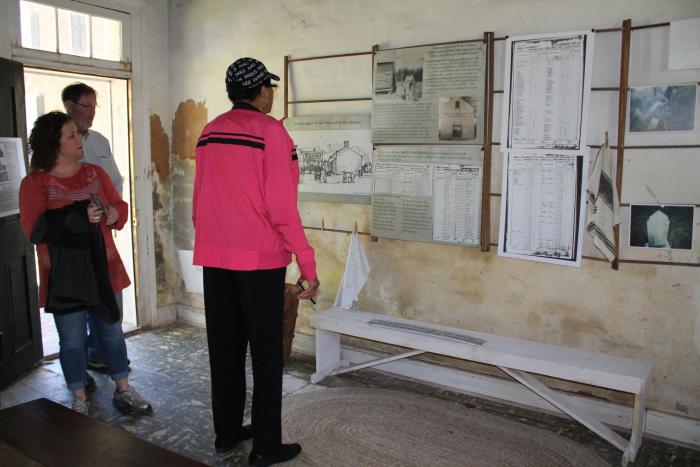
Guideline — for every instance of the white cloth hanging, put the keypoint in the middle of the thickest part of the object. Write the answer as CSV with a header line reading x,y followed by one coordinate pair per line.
x,y
603,204
356,273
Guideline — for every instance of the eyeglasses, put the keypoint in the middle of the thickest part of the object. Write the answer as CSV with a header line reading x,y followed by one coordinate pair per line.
x,y
272,86
86,106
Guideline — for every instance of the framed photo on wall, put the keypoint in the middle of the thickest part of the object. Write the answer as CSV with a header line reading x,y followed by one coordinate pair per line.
x,y
662,108
662,226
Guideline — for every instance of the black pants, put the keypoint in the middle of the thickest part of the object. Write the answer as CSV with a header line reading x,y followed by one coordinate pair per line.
x,y
244,307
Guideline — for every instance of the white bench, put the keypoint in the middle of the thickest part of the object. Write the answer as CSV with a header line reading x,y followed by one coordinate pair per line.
x,y
516,357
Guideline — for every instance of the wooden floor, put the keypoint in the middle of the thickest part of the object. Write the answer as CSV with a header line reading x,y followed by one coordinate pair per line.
x,y
42,432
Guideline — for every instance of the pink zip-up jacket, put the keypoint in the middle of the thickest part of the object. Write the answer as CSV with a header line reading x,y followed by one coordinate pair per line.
x,y
244,204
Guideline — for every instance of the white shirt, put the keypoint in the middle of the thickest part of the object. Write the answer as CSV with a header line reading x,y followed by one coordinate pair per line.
x,y
96,150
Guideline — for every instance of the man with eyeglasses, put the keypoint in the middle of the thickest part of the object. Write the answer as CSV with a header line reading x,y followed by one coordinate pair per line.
x,y
80,102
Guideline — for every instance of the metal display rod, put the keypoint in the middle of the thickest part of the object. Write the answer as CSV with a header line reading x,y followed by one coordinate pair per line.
x,y
488,38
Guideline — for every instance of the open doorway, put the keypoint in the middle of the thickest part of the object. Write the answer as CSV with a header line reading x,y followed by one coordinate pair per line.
x,y
43,94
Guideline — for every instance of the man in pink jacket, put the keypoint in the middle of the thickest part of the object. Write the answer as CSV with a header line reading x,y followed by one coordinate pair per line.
x,y
247,225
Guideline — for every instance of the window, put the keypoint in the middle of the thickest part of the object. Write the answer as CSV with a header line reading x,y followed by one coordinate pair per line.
x,y
73,33
106,38
38,23
78,33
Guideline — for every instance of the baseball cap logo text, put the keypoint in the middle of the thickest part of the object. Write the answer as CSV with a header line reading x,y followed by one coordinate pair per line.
x,y
247,73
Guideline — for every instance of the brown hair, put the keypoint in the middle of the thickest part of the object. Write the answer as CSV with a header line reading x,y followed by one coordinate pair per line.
x,y
74,92
45,140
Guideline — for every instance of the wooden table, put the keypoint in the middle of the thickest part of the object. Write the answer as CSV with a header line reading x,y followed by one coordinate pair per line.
x,y
44,433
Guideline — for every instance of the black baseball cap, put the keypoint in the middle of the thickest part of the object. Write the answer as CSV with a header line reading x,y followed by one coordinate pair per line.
x,y
247,73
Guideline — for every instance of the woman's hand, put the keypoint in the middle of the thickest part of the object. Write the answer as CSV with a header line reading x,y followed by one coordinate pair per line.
x,y
112,215
94,213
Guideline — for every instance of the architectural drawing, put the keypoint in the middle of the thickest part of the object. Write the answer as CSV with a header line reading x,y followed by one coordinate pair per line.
x,y
335,164
335,157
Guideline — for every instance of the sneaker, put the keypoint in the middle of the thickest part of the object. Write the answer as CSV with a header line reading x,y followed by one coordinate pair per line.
x,y
224,444
81,406
90,384
130,401
285,453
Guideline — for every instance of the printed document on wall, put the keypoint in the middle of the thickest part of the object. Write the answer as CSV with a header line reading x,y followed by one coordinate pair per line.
x,y
12,171
684,44
542,207
546,92
429,94
428,194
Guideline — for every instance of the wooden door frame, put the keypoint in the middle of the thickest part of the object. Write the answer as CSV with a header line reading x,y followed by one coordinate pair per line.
x,y
142,198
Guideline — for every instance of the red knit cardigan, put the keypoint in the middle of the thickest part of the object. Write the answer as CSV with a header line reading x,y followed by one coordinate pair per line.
x,y
41,191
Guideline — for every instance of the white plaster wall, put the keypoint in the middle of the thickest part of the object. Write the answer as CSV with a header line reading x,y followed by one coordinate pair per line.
x,y
643,311
155,54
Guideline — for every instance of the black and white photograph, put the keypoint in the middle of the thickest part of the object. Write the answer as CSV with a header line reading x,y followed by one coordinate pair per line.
x,y
663,108
384,83
402,78
457,118
662,226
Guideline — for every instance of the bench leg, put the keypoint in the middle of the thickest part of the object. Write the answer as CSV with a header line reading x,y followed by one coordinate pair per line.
x,y
380,361
571,410
327,354
639,420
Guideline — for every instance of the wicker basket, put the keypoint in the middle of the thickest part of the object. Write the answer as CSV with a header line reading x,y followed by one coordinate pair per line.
x,y
289,319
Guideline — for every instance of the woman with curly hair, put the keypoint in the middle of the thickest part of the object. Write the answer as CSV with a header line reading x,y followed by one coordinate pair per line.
x,y
68,208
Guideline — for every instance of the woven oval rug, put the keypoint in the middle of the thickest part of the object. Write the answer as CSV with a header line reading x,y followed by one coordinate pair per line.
x,y
378,427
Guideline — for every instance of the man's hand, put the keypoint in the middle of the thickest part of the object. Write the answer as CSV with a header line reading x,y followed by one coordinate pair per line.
x,y
310,290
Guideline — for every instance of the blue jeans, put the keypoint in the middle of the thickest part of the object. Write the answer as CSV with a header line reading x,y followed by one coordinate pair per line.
x,y
72,335
94,351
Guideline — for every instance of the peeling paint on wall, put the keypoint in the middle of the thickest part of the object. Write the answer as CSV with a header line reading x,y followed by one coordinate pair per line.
x,y
160,150
188,122
183,183
167,283
190,118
